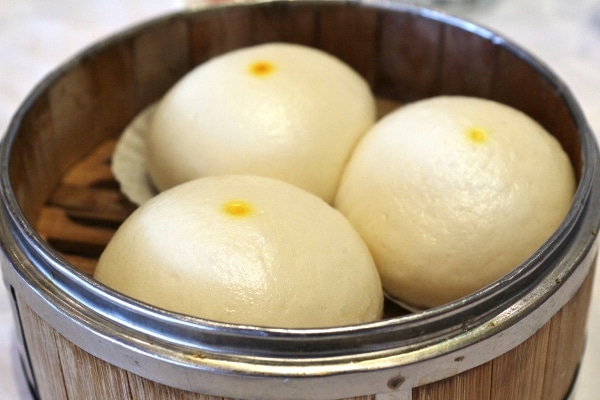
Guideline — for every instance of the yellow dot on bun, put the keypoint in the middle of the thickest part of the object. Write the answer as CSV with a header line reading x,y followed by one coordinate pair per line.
x,y
477,134
238,208
261,68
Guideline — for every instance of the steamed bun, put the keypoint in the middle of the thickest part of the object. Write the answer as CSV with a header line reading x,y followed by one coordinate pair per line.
x,y
451,193
245,250
279,110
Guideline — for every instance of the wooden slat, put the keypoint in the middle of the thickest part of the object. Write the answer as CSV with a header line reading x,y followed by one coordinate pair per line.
x,y
145,389
43,353
88,377
219,31
519,373
89,104
286,22
34,168
92,204
84,211
467,63
359,52
69,236
94,168
567,342
473,384
409,68
160,58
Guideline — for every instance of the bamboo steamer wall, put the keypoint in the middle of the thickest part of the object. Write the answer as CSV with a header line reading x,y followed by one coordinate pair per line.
x,y
57,164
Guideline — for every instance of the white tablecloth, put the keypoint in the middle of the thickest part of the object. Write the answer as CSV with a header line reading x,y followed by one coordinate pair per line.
x,y
37,35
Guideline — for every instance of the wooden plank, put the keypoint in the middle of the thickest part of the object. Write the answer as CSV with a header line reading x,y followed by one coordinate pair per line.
x,y
472,384
98,206
519,373
94,168
88,377
34,168
468,63
350,33
70,236
88,93
219,31
286,22
161,58
566,343
142,388
43,353
409,68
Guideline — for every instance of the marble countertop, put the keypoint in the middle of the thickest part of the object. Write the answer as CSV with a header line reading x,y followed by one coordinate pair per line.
x,y
37,35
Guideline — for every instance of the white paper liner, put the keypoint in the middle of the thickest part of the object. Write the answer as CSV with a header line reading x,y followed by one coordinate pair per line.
x,y
129,159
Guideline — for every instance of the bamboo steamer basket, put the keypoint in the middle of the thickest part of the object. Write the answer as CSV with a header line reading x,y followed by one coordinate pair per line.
x,y
521,337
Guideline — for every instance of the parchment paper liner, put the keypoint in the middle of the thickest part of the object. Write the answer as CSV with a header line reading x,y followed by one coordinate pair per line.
x,y
129,159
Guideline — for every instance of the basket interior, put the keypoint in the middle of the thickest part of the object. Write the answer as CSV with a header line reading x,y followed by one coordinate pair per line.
x,y
60,159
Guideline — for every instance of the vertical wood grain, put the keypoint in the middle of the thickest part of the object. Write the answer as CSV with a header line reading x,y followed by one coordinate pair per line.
x,y
350,33
468,63
287,22
566,342
408,60
88,377
161,57
43,353
90,103
519,373
219,31
472,384
34,168
145,389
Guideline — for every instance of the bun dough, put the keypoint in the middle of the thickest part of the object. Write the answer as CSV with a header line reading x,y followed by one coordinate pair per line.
x,y
279,110
245,250
451,193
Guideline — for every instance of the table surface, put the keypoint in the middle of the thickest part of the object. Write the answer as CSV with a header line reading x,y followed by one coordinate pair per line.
x,y
38,35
